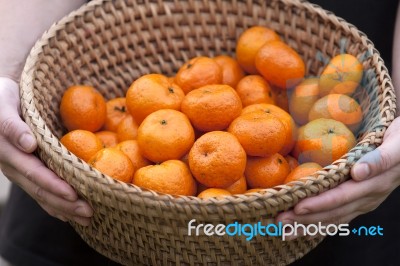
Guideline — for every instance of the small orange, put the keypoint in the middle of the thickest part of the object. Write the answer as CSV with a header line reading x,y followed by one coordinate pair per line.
x,y
342,75
239,187
212,107
283,116
280,65
303,170
84,144
266,172
116,112
164,135
214,193
339,107
248,44
83,107
170,177
254,89
217,159
127,129
323,141
114,163
302,99
198,72
150,93
293,163
231,70
108,138
259,133
131,149
254,190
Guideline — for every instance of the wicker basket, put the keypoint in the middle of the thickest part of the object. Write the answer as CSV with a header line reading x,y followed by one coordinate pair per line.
x,y
110,43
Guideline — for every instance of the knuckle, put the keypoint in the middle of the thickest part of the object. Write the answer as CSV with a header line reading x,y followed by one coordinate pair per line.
x,y
39,195
7,126
385,161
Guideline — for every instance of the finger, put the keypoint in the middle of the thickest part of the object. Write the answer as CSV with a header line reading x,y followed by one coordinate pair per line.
x,y
36,172
382,158
345,193
11,125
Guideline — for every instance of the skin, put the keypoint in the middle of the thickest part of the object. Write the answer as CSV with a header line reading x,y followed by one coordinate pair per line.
x,y
374,176
21,25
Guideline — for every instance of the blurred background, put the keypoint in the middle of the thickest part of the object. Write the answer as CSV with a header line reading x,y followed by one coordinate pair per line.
x,y
4,188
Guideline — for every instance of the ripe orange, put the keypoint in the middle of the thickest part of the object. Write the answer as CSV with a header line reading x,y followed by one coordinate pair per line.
x,y
303,170
131,149
254,190
114,163
116,112
284,117
323,141
248,44
280,65
266,172
83,107
170,177
342,75
212,107
198,72
217,159
254,89
127,129
239,187
150,93
339,107
108,138
165,135
259,133
231,70
214,193
302,99
84,144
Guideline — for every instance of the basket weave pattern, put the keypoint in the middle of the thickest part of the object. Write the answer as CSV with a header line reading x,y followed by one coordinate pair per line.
x,y
108,44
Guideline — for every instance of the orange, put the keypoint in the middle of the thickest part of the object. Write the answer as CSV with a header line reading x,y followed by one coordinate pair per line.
x,y
340,107
217,159
165,135
116,112
170,177
259,133
131,149
239,187
214,193
302,99
293,163
254,89
212,107
113,163
248,44
254,190
83,107
150,93
342,75
127,129
266,172
280,65
303,170
198,72
84,144
108,138
231,70
323,141
284,117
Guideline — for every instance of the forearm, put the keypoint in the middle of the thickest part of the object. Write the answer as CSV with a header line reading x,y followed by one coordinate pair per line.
x,y
396,60
22,22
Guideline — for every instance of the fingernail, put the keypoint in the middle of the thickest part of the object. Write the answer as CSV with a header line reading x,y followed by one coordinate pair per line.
x,y
83,211
302,211
26,141
361,171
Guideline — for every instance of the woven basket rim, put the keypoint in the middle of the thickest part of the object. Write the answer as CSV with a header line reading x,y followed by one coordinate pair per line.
x,y
313,181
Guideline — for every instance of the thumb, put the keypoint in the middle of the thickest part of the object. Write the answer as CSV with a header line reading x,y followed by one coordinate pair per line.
x,y
382,158
12,127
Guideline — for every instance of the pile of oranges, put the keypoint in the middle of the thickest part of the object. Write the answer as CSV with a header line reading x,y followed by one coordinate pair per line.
x,y
221,126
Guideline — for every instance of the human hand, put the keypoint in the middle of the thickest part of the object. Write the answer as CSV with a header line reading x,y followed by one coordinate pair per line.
x,y
21,167
374,177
